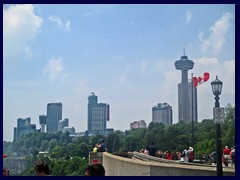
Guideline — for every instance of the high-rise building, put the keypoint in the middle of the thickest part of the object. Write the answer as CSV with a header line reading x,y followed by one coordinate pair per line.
x,y
192,95
138,124
43,122
63,123
162,113
98,115
24,126
54,114
184,64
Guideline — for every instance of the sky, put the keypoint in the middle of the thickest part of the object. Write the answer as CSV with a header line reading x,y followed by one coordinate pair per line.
x,y
124,53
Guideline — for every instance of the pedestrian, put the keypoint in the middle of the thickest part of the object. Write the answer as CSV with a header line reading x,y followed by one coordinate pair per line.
x,y
213,157
185,155
146,150
169,155
226,155
95,169
152,150
191,154
42,169
102,146
95,149
232,155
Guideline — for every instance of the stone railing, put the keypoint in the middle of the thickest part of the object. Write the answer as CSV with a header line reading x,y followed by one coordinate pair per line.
x,y
120,166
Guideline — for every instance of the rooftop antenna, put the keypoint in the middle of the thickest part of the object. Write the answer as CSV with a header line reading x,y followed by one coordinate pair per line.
x,y
184,51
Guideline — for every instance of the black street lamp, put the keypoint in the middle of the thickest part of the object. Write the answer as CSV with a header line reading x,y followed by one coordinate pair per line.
x,y
216,89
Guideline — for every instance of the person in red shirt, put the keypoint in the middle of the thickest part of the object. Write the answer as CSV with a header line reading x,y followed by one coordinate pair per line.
x,y
191,154
169,155
226,155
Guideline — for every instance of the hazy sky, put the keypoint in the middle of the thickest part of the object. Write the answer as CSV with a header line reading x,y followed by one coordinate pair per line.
x,y
125,54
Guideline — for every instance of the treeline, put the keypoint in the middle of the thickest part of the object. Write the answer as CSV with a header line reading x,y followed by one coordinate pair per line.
x,y
68,156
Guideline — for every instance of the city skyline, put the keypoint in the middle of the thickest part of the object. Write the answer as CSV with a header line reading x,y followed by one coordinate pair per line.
x,y
125,54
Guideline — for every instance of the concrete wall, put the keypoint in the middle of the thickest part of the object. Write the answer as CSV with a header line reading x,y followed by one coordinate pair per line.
x,y
95,156
120,166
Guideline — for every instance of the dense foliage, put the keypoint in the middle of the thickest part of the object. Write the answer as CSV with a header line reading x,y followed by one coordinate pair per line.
x,y
68,156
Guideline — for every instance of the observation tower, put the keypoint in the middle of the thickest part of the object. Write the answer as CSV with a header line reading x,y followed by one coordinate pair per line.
x,y
184,64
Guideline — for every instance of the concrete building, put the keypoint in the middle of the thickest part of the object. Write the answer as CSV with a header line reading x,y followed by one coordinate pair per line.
x,y
98,115
138,124
54,114
24,126
184,64
70,130
43,122
63,123
192,95
162,113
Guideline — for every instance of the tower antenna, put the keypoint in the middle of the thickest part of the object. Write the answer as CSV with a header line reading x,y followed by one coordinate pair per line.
x,y
184,51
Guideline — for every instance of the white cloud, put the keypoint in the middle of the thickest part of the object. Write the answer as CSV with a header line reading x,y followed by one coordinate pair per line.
x,y
214,43
54,68
200,35
97,9
205,61
61,25
188,16
225,71
20,26
121,79
143,67
28,52
22,84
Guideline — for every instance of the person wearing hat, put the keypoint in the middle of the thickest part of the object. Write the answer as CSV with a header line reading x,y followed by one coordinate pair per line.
x,y
102,146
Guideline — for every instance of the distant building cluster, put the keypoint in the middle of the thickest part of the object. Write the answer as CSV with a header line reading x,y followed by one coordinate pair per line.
x,y
98,113
24,126
138,124
50,123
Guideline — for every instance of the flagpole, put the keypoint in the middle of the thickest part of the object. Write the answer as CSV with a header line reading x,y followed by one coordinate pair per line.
x,y
192,116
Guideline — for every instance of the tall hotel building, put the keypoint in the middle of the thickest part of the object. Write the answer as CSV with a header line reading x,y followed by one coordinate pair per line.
x,y
187,94
98,115
54,114
162,113
192,95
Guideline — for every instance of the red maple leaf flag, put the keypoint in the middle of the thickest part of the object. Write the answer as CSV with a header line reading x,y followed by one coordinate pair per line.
x,y
201,79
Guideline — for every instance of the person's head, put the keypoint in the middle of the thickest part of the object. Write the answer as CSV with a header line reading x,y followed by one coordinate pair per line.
x,y
42,169
226,147
95,170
